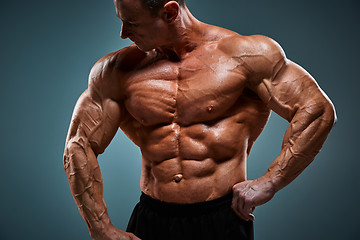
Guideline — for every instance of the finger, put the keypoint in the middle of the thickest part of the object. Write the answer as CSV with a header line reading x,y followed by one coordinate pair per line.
x,y
250,214
234,200
248,206
236,209
246,215
252,209
241,215
242,206
237,205
234,204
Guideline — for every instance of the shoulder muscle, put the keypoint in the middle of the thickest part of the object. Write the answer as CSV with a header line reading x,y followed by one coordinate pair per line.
x,y
107,75
261,55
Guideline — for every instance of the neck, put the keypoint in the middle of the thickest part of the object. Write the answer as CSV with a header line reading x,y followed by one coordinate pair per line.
x,y
184,35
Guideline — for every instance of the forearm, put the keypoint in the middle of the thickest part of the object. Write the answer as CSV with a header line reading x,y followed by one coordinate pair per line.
x,y
85,180
303,139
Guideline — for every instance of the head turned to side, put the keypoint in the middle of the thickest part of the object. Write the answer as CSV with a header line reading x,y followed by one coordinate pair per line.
x,y
167,26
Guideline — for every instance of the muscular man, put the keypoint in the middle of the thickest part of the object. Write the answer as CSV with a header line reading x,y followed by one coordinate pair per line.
x,y
194,98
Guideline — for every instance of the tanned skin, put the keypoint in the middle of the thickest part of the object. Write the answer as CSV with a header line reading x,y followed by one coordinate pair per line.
x,y
194,98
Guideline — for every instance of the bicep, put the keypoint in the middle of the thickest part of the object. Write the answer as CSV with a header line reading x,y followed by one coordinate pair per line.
x,y
283,86
94,121
289,89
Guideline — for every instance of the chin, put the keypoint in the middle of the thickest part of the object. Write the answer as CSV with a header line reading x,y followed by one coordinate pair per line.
x,y
144,48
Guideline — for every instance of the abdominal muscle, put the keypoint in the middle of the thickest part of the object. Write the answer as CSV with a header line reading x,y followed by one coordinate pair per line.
x,y
194,163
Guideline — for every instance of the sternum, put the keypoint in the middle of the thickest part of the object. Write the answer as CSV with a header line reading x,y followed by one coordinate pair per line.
x,y
175,126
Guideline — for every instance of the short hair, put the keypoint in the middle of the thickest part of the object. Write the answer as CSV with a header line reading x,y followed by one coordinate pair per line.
x,y
155,5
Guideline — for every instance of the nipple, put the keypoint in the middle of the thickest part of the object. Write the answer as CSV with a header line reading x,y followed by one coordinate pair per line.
x,y
178,177
210,108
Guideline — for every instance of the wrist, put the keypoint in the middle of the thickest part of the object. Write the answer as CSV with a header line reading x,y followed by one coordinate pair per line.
x,y
99,228
273,181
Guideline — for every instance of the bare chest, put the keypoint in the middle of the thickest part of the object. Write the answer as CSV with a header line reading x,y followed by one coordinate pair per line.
x,y
200,88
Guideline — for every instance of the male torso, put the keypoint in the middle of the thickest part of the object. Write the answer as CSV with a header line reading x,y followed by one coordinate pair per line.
x,y
194,98
194,119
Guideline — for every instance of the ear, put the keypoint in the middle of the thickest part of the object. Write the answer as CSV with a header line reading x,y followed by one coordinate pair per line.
x,y
170,11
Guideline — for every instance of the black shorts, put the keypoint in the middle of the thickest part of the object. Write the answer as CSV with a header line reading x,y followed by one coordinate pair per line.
x,y
211,220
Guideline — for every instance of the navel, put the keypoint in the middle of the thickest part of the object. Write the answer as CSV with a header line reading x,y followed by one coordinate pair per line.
x,y
178,177
210,108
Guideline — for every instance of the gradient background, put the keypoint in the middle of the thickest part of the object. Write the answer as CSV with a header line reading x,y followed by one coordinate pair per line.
x,y
47,49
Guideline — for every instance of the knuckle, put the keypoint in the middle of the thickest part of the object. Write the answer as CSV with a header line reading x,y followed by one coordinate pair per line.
x,y
242,198
247,200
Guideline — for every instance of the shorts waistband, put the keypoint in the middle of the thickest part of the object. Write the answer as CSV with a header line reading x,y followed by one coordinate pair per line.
x,y
187,208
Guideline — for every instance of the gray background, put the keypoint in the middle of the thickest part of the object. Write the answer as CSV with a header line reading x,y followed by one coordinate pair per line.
x,y
47,49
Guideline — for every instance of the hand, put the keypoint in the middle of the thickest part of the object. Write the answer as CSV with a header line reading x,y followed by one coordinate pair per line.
x,y
112,233
249,194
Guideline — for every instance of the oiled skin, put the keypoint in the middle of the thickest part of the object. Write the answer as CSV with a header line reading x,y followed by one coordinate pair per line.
x,y
197,122
195,119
